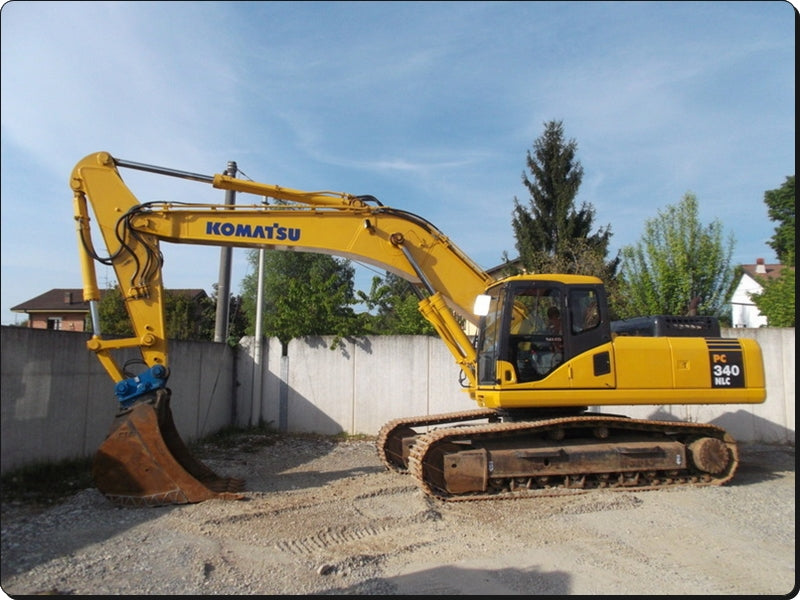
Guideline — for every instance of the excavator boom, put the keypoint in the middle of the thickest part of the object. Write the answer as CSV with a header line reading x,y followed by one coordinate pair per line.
x,y
143,460
353,227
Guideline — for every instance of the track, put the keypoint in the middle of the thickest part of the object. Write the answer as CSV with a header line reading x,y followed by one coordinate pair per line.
x,y
389,442
556,456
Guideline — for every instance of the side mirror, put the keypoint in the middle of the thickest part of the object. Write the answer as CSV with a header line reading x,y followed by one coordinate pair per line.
x,y
481,308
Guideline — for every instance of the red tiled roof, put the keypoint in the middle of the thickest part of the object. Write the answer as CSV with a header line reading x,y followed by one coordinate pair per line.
x,y
760,269
71,300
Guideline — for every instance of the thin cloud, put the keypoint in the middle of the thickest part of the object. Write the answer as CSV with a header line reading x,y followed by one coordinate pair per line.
x,y
430,106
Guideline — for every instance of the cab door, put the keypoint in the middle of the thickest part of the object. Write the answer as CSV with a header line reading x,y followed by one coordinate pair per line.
x,y
588,337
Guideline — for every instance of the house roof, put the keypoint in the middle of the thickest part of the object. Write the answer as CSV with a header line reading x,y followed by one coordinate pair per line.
x,y
498,270
71,300
761,269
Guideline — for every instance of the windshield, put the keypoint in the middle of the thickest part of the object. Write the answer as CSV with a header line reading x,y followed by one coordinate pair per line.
x,y
530,336
489,338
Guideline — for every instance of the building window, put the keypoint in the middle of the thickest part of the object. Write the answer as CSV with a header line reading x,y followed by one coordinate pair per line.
x,y
54,322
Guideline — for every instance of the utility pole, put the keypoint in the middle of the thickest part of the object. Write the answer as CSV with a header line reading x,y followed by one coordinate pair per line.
x,y
258,375
223,288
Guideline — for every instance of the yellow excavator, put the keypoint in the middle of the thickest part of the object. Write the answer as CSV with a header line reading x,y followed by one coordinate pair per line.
x,y
545,352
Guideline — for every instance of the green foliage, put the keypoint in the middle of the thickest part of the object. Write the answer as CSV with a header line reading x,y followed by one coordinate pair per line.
x,y
776,302
188,319
781,208
395,308
114,320
304,294
551,236
237,318
678,266
184,318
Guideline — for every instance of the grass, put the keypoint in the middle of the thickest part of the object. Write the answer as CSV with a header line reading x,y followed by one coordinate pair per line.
x,y
46,483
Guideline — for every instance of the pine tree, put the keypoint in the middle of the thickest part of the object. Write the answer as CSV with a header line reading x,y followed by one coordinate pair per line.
x,y
551,235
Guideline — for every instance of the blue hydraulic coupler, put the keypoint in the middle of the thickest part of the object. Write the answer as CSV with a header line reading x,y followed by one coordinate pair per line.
x,y
128,390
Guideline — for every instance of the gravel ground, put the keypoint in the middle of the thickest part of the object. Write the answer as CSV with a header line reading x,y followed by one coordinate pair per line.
x,y
323,516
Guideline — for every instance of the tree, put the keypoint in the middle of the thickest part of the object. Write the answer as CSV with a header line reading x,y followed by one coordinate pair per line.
x,y
781,207
304,294
678,266
114,320
188,318
777,300
551,236
396,308
237,318
184,318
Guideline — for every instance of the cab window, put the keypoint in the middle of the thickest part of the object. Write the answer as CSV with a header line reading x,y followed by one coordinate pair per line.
x,y
535,340
584,311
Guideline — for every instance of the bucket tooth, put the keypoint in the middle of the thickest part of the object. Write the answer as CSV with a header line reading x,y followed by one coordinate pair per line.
x,y
144,462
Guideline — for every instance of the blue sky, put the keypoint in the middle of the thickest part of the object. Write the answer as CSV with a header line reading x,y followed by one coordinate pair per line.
x,y
429,106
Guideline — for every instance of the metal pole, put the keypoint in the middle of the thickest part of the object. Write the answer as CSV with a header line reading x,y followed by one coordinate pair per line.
x,y
225,258
258,371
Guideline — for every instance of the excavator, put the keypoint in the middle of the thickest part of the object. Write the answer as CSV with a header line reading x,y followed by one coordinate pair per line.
x,y
546,354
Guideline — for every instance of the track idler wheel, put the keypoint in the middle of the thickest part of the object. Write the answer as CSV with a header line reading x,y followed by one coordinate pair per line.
x,y
144,462
710,455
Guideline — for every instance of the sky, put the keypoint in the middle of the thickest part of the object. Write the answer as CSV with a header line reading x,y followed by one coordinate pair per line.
x,y
432,107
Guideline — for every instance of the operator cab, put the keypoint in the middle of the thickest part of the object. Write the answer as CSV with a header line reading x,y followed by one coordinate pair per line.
x,y
535,323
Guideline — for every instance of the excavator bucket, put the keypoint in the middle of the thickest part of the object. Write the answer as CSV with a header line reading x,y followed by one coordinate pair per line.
x,y
144,462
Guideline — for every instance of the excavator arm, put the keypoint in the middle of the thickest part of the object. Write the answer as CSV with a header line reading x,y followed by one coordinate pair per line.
x,y
354,227
143,460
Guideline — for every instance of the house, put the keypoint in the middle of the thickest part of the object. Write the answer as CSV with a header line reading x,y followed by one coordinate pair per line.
x,y
59,308
64,308
743,311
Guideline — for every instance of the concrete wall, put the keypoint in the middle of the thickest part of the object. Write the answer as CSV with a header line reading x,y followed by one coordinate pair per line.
x,y
58,402
363,383
355,388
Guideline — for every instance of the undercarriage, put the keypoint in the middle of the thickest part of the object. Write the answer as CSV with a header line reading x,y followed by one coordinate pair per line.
x,y
484,454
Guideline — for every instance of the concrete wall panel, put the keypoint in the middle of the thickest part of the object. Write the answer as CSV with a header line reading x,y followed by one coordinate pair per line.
x,y
58,402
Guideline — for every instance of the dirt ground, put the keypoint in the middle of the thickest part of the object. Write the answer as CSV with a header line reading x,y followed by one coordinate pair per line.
x,y
322,516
